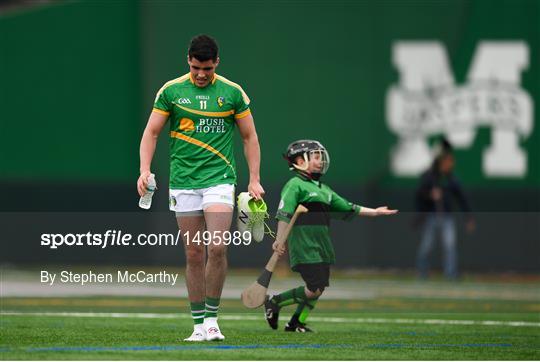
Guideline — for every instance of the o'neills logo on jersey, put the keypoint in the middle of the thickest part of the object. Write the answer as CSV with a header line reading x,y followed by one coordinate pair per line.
x,y
211,125
426,102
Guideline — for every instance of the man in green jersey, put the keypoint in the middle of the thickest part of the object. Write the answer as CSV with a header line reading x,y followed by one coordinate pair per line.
x,y
309,244
202,108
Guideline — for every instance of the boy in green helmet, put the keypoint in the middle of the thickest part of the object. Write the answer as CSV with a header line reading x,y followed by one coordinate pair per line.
x,y
310,248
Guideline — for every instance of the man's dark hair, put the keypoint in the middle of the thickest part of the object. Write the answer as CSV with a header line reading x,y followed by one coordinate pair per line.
x,y
446,146
443,148
203,48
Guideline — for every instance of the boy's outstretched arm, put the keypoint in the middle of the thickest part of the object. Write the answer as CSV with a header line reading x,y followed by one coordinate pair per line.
x,y
380,211
340,205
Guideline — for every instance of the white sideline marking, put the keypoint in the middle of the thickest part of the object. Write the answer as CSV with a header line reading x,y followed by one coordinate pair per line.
x,y
252,318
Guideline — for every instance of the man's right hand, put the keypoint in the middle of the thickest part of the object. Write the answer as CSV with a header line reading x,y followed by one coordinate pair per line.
x,y
436,194
142,182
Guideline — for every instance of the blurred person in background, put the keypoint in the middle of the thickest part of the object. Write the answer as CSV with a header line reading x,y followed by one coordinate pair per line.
x,y
438,188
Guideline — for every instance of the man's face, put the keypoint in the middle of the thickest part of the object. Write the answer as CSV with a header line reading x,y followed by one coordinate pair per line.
x,y
202,72
447,164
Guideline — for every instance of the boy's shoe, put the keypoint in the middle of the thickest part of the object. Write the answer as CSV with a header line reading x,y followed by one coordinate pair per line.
x,y
198,335
297,327
271,312
213,332
252,215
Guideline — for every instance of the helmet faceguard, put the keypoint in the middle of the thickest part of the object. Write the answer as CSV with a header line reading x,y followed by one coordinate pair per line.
x,y
308,149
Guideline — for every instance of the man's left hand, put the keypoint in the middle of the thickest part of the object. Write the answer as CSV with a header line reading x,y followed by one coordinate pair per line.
x,y
256,190
470,226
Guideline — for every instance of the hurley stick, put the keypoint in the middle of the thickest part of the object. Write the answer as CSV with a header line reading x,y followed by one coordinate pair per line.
x,y
254,295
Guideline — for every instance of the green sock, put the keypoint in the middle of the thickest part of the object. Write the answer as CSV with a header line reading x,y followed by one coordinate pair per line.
x,y
197,312
292,296
303,310
212,306
306,309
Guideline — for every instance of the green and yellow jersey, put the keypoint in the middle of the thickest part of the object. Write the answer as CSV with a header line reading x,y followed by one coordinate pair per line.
x,y
309,241
202,122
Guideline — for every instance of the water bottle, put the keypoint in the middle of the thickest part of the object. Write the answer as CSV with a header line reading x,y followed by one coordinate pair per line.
x,y
146,200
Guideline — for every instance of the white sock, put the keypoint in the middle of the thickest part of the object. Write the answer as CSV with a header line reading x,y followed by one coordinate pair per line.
x,y
210,320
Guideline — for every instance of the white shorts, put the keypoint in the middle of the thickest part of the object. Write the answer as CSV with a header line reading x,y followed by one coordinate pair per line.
x,y
195,201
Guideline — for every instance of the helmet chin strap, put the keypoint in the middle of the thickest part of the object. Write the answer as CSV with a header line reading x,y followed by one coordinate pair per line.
x,y
316,176
311,175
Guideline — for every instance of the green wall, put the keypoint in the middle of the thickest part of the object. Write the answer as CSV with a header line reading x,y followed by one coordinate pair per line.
x,y
78,79
70,83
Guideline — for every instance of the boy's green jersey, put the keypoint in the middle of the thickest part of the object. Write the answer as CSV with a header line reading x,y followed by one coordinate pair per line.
x,y
202,124
309,240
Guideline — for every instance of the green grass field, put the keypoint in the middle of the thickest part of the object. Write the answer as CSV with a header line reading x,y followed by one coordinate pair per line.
x,y
132,328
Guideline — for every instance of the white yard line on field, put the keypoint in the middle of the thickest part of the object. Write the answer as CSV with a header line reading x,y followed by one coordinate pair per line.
x,y
253,317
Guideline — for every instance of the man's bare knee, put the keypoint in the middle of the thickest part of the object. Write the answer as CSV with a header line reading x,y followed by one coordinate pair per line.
x,y
195,256
217,253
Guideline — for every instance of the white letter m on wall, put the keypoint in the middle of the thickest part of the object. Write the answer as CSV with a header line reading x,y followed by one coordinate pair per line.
x,y
426,102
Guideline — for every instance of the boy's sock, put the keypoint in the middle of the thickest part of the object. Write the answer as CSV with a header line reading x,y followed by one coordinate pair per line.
x,y
212,306
302,311
291,296
197,312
